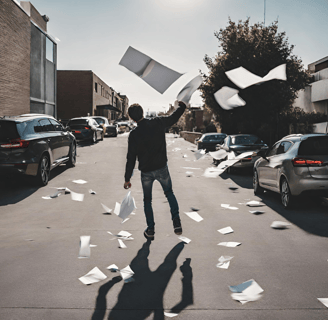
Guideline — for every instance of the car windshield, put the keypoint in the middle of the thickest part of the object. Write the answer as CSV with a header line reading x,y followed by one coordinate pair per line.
x,y
8,130
213,138
245,140
314,146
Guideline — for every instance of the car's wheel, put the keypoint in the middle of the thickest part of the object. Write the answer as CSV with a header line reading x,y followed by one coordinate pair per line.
x,y
94,137
258,190
286,196
43,174
72,156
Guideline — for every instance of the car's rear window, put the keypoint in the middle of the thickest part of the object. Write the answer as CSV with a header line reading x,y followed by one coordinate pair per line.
x,y
77,122
8,130
245,140
214,137
100,121
314,146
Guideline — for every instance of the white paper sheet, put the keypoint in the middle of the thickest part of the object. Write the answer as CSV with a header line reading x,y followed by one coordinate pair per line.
x,y
84,247
254,203
121,244
218,155
189,173
184,239
126,273
80,181
95,275
324,301
176,149
125,220
127,206
224,262
117,208
256,211
226,164
227,206
124,234
199,154
188,90
226,230
228,98
247,291
212,172
170,315
229,244
155,74
190,168
92,192
113,268
106,208
244,78
77,196
194,215
280,225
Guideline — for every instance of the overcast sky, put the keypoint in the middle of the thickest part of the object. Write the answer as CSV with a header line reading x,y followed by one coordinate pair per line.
x,y
95,34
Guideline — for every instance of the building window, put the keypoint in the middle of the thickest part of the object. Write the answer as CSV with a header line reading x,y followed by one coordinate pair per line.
x,y
49,50
96,86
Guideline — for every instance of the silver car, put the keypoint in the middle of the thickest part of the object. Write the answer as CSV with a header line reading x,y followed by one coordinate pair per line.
x,y
295,165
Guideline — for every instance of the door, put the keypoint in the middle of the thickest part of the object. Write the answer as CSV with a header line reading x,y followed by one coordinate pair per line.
x,y
63,148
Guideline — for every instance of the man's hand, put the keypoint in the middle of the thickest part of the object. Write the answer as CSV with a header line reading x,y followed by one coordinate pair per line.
x,y
127,185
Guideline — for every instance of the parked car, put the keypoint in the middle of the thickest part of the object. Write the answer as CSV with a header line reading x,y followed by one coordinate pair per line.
x,y
109,129
240,143
123,127
34,144
295,165
209,141
86,129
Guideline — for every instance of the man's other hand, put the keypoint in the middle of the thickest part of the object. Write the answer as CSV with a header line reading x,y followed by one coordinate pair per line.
x,y
127,185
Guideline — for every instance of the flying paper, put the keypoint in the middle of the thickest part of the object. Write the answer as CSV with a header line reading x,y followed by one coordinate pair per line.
x,y
77,196
112,268
184,239
106,208
224,262
188,90
121,244
244,78
226,230
95,275
229,244
126,273
280,225
155,74
228,98
194,215
247,291
117,208
84,247
218,155
127,206
324,301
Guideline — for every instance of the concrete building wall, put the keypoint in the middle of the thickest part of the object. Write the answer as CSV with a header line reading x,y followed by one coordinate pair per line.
x,y
319,90
15,38
74,93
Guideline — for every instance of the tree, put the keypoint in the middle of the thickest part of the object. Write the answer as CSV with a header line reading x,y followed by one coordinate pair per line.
x,y
259,49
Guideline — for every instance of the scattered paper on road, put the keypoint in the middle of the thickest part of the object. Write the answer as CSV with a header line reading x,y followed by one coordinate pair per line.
x,y
92,192
77,196
256,212
199,154
95,275
184,239
224,262
194,209
244,78
226,230
280,225
117,208
212,172
187,91
227,206
324,301
93,245
194,215
127,206
126,273
80,181
254,203
170,315
218,155
176,149
189,173
113,268
124,234
125,220
84,247
190,168
247,291
185,156
229,244
46,197
155,74
121,244
228,98
106,208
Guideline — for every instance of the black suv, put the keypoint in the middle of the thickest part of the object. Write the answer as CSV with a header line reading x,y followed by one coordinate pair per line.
x,y
34,144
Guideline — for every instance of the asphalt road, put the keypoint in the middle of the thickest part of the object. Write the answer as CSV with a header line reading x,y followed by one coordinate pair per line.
x,y
39,245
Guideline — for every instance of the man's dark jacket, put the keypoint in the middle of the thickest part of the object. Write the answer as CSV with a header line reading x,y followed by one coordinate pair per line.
x,y
147,143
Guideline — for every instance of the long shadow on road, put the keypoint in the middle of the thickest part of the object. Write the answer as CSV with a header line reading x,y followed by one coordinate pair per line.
x,y
308,213
137,300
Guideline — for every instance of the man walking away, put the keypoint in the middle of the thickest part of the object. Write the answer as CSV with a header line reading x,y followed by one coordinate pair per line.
x,y
147,143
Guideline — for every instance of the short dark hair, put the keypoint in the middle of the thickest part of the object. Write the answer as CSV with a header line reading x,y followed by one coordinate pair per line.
x,y
135,112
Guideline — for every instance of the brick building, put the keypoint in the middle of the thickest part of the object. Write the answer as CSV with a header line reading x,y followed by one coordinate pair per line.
x,y
81,93
28,59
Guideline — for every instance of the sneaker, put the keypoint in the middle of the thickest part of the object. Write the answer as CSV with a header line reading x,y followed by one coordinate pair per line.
x,y
177,226
149,234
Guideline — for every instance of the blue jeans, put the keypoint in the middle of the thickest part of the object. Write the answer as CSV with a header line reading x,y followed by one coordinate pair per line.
x,y
163,177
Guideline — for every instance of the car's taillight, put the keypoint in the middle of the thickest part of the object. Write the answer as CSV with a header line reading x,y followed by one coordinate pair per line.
x,y
16,143
300,162
88,128
76,131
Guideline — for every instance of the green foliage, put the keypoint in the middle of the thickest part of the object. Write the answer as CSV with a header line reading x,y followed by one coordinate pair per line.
x,y
259,49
